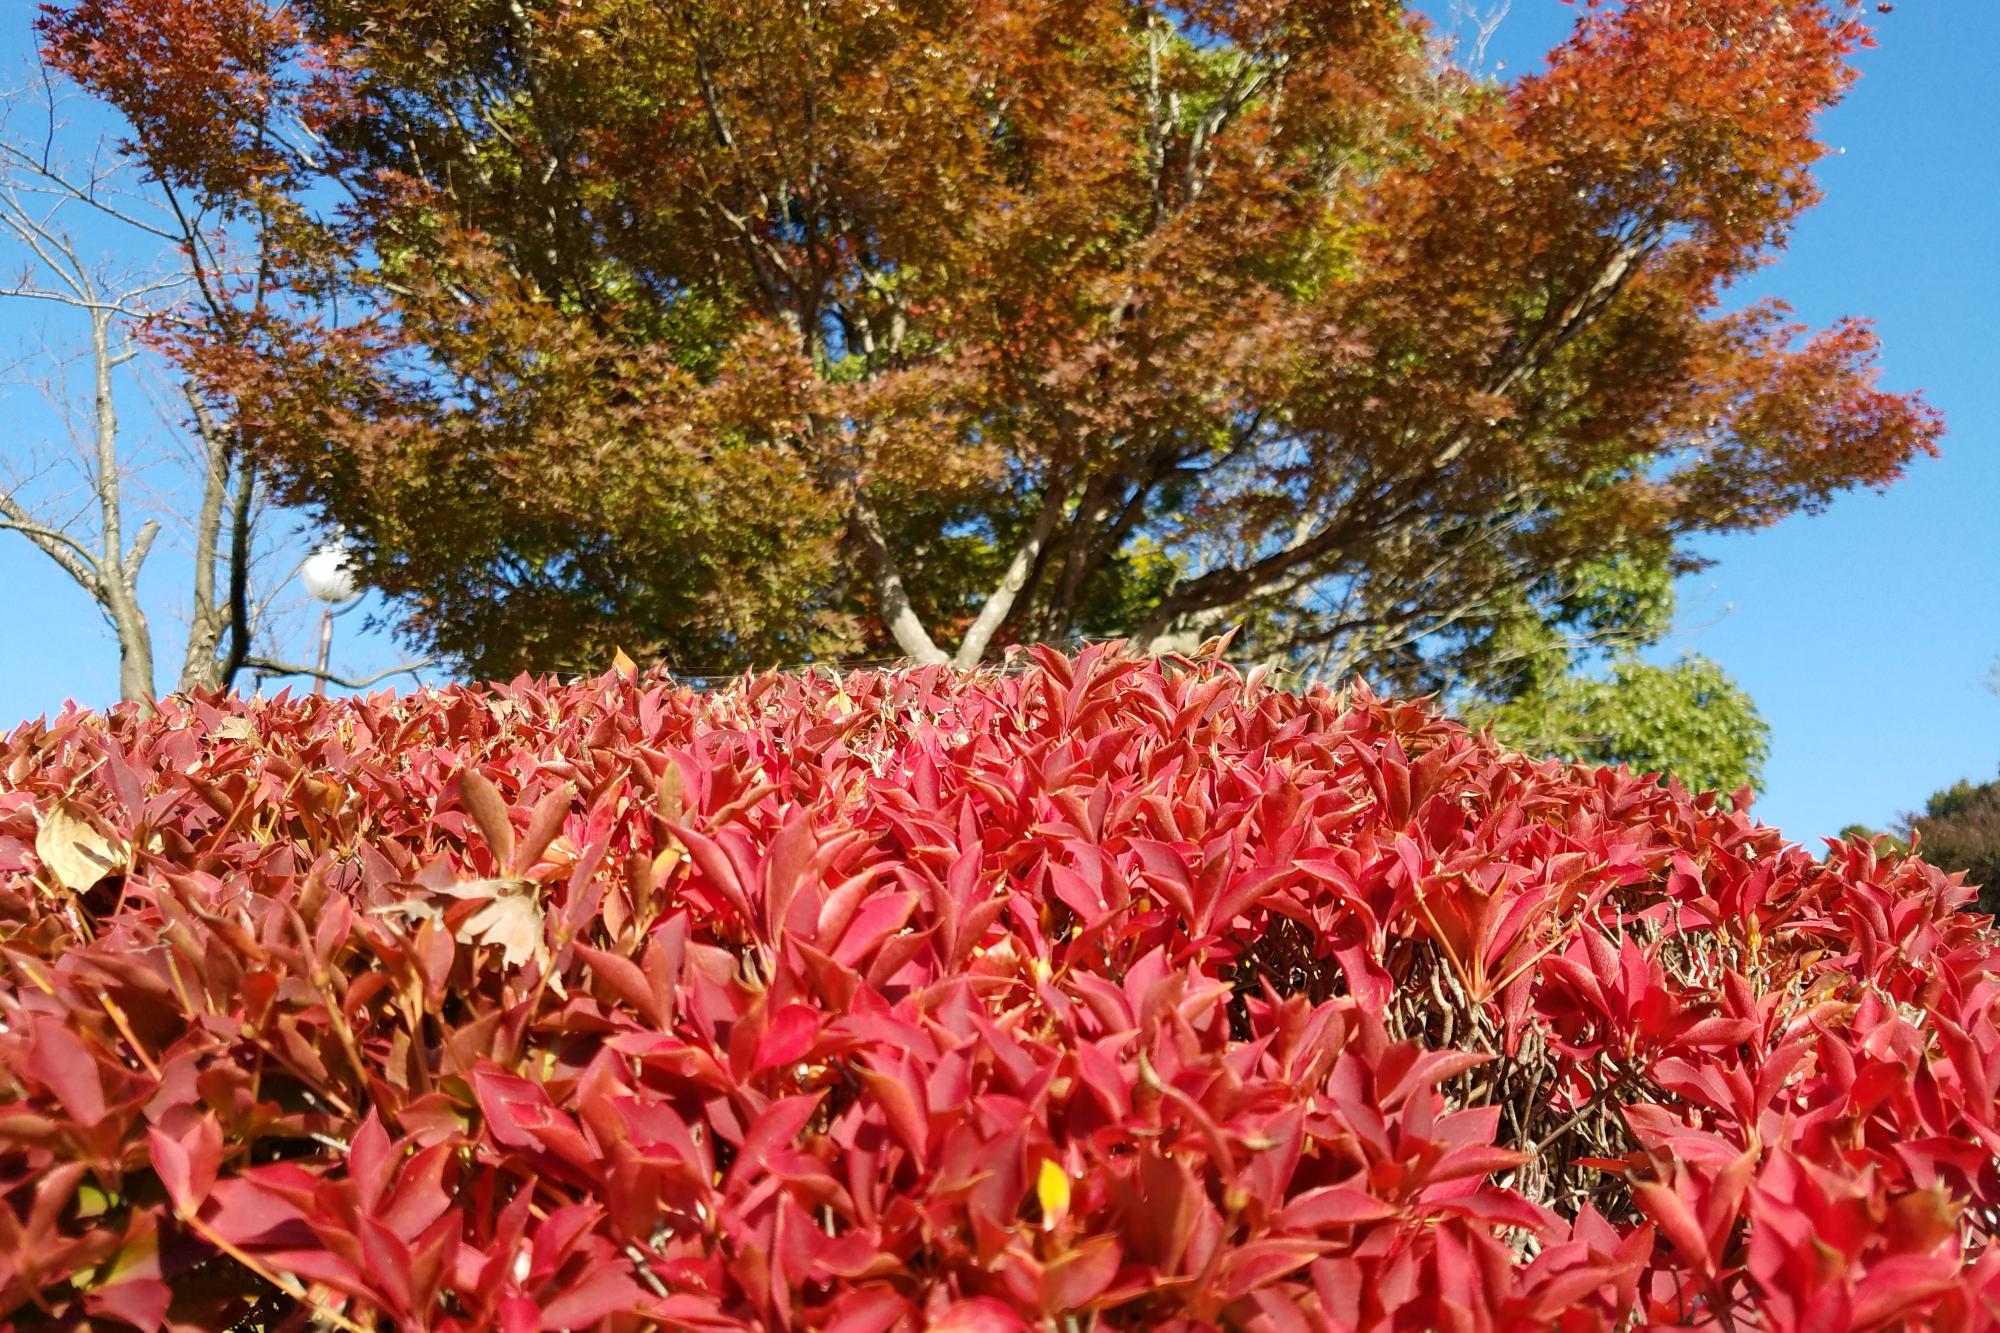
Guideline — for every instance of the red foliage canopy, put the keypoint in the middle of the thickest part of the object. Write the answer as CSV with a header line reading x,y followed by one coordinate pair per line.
x,y
1106,994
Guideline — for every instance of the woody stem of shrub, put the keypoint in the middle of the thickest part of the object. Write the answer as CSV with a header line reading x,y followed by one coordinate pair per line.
x,y
1583,1113
291,1286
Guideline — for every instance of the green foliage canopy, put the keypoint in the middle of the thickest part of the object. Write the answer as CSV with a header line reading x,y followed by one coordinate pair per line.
x,y
1591,696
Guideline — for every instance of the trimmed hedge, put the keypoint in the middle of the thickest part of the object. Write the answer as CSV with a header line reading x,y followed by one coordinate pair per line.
x,y
1110,994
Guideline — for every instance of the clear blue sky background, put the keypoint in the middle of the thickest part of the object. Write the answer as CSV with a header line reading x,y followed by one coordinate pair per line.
x,y
1865,634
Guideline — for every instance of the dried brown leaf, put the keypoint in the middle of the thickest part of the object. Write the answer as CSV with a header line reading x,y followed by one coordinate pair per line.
x,y
74,851
512,920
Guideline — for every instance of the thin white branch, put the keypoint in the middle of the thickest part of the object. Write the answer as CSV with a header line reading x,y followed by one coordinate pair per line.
x,y
265,666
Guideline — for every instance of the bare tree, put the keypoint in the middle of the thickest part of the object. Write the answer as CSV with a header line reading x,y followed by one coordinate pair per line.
x,y
1470,26
95,508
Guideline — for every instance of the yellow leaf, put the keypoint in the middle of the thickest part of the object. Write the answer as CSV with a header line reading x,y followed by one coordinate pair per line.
x,y
669,800
1052,1191
72,850
624,665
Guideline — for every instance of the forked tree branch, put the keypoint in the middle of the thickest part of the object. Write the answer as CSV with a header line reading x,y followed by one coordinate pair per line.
x,y
1001,600
77,560
905,625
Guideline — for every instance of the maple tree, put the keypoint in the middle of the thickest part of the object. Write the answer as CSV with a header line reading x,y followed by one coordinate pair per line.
x,y
1103,992
731,332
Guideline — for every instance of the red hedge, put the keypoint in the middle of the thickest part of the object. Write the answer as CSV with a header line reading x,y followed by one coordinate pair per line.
x,y
1106,995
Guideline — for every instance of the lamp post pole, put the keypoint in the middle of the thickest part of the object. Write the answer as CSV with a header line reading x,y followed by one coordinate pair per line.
x,y
325,648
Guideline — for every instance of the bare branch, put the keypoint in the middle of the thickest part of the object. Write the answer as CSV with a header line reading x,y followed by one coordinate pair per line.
x,y
265,666
1001,600
142,546
261,609
65,298
77,560
44,169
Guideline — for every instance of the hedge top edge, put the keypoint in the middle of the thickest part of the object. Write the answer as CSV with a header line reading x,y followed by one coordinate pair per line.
x,y
1106,994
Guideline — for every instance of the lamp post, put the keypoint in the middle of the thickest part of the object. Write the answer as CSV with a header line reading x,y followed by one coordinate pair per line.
x,y
328,574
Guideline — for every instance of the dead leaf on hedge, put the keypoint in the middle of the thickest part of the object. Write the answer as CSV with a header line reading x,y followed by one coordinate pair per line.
x,y
409,909
511,921
72,849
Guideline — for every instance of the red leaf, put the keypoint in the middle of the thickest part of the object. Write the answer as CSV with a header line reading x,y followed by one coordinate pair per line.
x,y
899,1105
869,1309
604,1293
1332,1206
879,917
370,1162
489,810
775,1129
140,1302
1676,1221
543,824
626,980
1074,1280
63,1064
187,1165
981,1314
716,871
792,1033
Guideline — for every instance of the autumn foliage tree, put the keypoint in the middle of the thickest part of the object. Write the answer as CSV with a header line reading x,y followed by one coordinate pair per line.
x,y
737,332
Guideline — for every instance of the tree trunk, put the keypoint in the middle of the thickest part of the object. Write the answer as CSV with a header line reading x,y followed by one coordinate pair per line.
x,y
135,645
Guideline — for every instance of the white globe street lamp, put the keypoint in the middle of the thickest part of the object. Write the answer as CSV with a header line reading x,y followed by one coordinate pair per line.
x,y
328,574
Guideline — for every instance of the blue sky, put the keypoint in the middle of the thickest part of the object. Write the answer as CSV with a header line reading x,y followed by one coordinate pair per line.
x,y
1865,634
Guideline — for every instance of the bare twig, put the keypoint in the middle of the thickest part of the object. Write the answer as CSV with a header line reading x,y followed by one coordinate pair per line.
x,y
265,666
